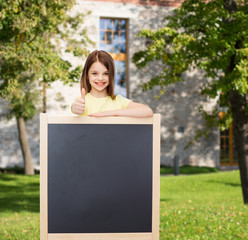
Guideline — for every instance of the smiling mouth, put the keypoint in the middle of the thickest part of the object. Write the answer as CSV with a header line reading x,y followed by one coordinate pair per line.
x,y
100,83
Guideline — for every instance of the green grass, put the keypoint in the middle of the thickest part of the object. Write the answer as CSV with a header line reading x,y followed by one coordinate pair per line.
x,y
206,206
19,207
203,206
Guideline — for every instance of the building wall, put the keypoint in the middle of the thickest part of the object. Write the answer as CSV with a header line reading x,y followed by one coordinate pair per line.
x,y
164,3
178,106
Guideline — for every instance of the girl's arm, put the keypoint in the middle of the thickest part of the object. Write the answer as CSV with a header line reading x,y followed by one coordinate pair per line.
x,y
133,110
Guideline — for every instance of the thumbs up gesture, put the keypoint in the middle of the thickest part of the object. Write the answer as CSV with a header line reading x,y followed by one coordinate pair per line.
x,y
78,107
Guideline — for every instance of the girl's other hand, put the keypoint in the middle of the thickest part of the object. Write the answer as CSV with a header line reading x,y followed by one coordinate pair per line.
x,y
78,106
102,114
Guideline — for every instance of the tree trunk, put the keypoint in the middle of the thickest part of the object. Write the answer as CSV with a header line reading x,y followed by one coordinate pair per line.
x,y
26,153
240,124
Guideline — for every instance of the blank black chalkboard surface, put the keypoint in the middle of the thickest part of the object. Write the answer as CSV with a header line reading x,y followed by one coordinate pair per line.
x,y
99,178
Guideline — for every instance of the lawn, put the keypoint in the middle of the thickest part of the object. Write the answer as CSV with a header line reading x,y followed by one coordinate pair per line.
x,y
202,206
19,207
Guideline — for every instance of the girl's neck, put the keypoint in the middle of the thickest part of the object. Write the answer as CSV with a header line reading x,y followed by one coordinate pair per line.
x,y
98,94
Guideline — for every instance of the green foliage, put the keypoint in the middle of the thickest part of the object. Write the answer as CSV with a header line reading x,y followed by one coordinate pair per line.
x,y
34,36
207,35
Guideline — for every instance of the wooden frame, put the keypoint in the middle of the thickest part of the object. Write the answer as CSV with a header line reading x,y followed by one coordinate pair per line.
x,y
44,121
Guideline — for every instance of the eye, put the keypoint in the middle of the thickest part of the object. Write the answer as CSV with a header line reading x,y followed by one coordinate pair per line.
x,y
106,73
94,73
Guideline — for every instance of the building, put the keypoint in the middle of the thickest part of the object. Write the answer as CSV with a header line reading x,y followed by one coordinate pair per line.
x,y
113,25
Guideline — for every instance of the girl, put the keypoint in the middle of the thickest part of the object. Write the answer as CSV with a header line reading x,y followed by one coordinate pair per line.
x,y
97,91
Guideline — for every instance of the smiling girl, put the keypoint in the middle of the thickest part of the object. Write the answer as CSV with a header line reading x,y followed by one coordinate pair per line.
x,y
97,91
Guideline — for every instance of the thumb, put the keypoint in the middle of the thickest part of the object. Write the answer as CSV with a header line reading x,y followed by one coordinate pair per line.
x,y
83,93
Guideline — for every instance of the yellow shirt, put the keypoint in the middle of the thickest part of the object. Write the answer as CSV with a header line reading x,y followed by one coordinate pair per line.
x,y
94,105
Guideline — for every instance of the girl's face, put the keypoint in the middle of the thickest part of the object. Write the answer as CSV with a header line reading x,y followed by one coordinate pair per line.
x,y
98,76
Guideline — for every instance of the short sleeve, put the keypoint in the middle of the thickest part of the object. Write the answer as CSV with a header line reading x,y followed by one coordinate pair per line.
x,y
123,101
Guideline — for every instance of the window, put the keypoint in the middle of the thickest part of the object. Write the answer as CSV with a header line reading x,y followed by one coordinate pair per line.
x,y
113,39
228,155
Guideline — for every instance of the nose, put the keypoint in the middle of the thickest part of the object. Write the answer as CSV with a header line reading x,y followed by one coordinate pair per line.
x,y
100,77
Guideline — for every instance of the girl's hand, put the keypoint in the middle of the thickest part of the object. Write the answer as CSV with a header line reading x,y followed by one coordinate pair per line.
x,y
78,106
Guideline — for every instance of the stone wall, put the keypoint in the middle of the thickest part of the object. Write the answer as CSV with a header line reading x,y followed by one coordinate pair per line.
x,y
178,106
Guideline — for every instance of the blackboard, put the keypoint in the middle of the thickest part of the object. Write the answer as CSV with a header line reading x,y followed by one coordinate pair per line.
x,y
99,177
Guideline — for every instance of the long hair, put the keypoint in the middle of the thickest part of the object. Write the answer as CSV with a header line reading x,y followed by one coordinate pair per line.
x,y
104,58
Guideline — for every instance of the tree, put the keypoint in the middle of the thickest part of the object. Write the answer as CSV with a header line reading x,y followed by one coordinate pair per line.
x,y
211,36
34,35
